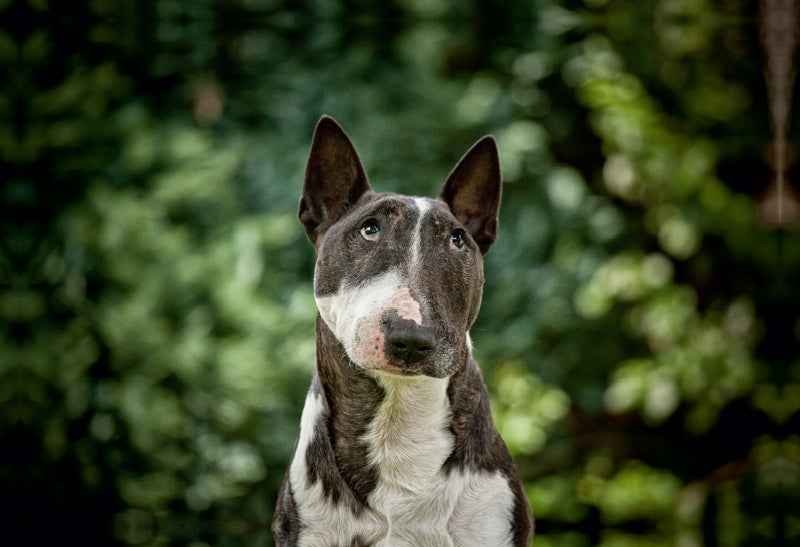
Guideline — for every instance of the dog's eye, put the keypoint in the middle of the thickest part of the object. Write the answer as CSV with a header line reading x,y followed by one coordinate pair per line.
x,y
370,231
457,239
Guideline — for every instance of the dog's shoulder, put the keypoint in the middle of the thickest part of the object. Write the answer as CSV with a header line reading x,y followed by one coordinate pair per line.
x,y
321,507
478,445
286,525
480,451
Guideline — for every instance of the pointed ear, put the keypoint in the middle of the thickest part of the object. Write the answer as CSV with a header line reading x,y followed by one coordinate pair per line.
x,y
335,179
472,191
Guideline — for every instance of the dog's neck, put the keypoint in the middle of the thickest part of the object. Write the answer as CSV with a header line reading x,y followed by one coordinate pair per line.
x,y
409,438
381,425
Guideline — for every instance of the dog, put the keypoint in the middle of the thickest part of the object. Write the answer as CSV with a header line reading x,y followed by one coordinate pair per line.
x,y
397,445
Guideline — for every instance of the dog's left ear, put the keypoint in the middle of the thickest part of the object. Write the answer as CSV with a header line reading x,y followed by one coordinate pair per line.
x,y
472,191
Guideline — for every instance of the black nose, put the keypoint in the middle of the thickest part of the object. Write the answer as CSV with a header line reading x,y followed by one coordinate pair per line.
x,y
408,342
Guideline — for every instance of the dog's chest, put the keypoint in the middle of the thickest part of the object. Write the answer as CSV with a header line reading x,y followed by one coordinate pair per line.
x,y
409,438
408,442
415,501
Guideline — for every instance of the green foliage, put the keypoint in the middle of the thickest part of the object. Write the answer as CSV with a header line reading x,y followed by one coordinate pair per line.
x,y
639,329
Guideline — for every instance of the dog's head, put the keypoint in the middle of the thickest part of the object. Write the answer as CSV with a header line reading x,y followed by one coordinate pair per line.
x,y
398,279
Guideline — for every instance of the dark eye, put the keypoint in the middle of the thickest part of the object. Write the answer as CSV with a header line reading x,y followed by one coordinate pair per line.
x,y
457,239
370,230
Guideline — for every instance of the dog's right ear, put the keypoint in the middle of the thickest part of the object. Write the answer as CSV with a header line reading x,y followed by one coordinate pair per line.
x,y
335,179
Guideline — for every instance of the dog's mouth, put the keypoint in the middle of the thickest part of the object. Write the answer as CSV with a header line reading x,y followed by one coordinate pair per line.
x,y
388,368
395,371
432,368
406,372
396,367
379,355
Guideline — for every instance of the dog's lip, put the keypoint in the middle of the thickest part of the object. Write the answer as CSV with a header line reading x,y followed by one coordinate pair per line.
x,y
395,370
391,369
416,369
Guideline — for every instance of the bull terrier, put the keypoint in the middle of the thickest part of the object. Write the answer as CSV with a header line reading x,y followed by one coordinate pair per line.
x,y
397,445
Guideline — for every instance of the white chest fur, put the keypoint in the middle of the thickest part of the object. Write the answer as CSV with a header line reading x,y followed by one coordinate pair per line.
x,y
409,438
414,502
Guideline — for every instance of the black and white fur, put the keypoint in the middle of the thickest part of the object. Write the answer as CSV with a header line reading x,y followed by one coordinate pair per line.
x,y
397,444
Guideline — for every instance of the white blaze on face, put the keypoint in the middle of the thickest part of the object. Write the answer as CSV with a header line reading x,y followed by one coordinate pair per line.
x,y
416,245
406,307
354,315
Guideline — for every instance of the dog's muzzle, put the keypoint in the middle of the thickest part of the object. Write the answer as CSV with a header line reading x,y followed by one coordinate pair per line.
x,y
407,342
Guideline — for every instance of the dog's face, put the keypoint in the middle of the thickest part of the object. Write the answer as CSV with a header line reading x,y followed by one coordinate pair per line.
x,y
398,279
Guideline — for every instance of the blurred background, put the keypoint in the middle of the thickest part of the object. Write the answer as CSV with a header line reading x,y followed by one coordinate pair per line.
x,y
639,332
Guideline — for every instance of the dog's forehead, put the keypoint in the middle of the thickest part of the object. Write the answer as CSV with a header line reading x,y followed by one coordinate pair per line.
x,y
388,203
